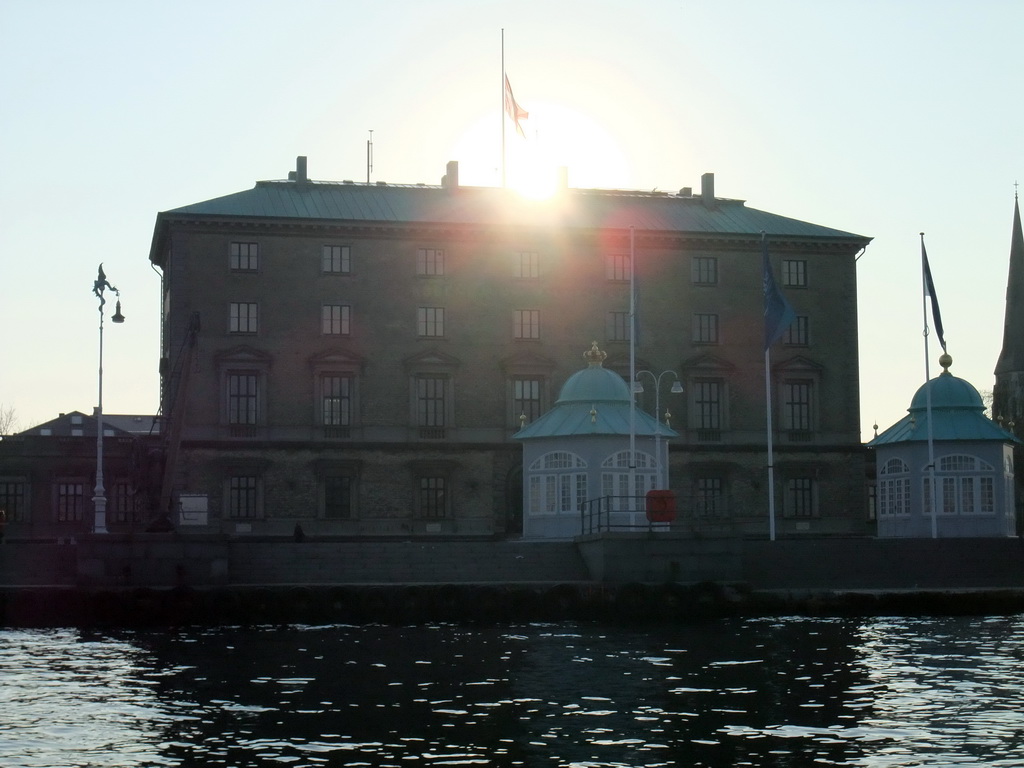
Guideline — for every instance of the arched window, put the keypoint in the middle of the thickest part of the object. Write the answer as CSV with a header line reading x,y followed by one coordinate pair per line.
x,y
558,483
965,485
894,488
615,475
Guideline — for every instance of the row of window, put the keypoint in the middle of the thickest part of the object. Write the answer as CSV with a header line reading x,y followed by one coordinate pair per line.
x,y
433,401
336,320
557,484
430,262
965,484
73,501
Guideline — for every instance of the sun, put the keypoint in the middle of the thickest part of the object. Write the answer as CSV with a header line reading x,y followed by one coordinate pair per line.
x,y
560,141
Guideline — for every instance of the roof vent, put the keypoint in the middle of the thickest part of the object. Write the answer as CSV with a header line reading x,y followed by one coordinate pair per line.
x,y
299,174
686,192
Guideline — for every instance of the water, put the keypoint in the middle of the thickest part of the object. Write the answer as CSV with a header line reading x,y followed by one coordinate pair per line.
x,y
744,692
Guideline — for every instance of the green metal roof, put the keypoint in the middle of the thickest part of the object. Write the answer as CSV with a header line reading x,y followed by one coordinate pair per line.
x,y
957,413
584,209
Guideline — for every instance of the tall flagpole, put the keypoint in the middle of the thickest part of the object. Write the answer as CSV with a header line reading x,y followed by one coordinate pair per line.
x,y
632,365
771,453
502,111
928,394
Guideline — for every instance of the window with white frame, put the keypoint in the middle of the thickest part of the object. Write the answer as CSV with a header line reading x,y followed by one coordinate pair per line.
x,y
13,500
526,323
709,497
244,257
616,474
336,399
557,483
966,486
799,499
794,273
617,326
527,265
243,317
430,262
704,270
706,396
243,496
430,322
526,398
243,397
894,488
431,403
796,335
705,328
796,405
336,319
617,266
336,260
70,501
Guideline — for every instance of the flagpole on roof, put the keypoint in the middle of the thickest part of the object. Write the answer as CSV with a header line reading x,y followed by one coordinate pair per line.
x,y
632,367
928,290
502,110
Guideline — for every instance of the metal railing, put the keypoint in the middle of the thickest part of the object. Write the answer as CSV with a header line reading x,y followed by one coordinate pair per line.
x,y
694,514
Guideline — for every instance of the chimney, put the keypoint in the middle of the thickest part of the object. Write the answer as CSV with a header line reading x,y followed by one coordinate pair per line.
x,y
300,169
563,178
707,190
450,180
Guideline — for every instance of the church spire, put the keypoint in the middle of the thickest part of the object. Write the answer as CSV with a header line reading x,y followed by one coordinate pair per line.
x,y
1011,358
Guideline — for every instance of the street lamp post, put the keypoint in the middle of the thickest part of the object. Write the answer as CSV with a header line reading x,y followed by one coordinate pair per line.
x,y
677,388
99,498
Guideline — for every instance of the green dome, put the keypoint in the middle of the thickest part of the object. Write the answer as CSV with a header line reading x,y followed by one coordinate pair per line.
x,y
594,384
947,393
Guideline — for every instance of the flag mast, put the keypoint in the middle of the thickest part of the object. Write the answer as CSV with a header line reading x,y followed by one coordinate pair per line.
x,y
502,110
928,289
632,366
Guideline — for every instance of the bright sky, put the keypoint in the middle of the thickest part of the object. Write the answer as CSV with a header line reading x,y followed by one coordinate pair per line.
x,y
877,117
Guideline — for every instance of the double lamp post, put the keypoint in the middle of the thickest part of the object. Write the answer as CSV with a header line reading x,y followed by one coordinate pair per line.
x,y
99,498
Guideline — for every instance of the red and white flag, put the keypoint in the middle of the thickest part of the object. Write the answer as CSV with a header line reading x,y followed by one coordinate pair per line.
x,y
513,110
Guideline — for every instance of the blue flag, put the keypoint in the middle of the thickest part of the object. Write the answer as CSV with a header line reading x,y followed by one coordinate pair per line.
x,y
929,290
778,313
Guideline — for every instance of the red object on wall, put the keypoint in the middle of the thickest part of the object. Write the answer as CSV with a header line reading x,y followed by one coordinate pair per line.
x,y
661,506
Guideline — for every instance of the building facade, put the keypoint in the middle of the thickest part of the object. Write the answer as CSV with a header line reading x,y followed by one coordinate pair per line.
x,y
355,359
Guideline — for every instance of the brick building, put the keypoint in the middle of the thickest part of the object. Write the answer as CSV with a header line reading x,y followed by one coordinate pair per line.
x,y
356,358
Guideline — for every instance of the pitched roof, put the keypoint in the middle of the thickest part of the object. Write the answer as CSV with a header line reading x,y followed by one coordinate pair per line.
x,y
582,209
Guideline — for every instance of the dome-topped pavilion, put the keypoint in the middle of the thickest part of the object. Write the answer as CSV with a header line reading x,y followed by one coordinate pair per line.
x,y
973,465
580,450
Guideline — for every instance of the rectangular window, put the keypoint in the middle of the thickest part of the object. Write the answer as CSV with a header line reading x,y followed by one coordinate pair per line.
x,y
336,319
705,329
432,497
430,401
430,261
243,317
704,270
617,326
707,402
12,501
617,266
800,497
243,398
242,497
709,499
244,257
526,399
121,505
528,265
70,502
796,405
430,321
796,334
794,273
336,260
526,324
338,497
336,402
